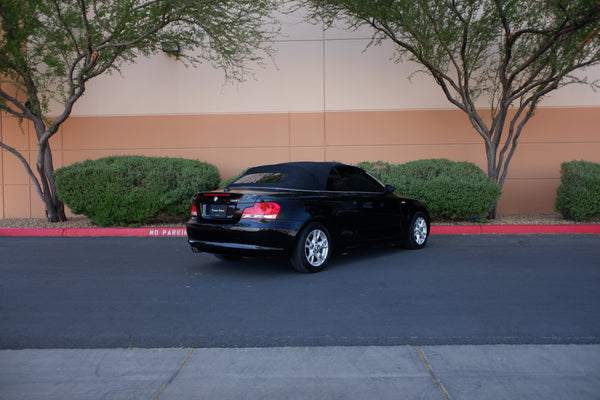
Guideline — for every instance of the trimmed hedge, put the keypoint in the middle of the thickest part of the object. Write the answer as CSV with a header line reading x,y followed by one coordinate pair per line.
x,y
133,190
578,195
449,189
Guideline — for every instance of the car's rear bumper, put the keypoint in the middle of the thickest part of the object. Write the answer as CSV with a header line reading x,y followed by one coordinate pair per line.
x,y
199,246
252,237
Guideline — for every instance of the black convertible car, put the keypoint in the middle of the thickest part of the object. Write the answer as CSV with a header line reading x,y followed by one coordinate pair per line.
x,y
304,210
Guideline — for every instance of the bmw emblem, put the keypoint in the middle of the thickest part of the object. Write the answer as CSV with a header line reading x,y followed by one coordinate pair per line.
x,y
216,199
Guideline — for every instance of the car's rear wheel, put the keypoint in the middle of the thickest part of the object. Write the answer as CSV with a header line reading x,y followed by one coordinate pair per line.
x,y
418,232
313,249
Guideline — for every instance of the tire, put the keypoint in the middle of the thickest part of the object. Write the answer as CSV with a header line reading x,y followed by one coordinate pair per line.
x,y
313,249
418,232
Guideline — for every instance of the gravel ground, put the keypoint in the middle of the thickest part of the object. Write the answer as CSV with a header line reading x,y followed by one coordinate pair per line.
x,y
83,222
522,219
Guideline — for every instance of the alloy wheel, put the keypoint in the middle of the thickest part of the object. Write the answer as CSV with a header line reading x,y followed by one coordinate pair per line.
x,y
420,231
316,248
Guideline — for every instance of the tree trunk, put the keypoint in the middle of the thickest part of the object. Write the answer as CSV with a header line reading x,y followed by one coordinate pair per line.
x,y
55,209
492,171
494,212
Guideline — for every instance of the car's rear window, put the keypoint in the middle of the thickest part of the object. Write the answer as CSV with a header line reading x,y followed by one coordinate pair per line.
x,y
295,175
262,177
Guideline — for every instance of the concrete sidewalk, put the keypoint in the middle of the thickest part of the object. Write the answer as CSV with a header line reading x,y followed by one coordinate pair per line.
x,y
398,372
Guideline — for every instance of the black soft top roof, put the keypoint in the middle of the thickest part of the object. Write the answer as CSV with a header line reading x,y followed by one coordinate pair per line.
x,y
305,175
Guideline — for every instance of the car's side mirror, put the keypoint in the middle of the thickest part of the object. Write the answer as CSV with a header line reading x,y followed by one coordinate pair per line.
x,y
389,188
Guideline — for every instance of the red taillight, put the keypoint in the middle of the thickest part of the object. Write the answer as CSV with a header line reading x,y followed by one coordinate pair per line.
x,y
194,211
262,211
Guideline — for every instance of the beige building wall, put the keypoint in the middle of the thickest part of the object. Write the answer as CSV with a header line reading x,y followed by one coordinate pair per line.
x,y
320,98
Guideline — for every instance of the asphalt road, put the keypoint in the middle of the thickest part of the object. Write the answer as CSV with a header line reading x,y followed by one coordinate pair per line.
x,y
154,292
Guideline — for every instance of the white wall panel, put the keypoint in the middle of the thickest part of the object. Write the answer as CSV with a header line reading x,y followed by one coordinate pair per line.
x,y
293,27
293,81
311,71
368,80
576,95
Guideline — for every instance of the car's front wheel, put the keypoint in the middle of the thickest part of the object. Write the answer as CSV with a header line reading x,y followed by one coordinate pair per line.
x,y
418,232
313,249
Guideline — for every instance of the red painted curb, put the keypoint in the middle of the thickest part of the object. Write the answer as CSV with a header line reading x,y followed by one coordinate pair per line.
x,y
181,231
513,229
30,232
95,232
455,229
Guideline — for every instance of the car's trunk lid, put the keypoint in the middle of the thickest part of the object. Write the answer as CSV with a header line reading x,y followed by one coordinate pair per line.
x,y
218,206
224,207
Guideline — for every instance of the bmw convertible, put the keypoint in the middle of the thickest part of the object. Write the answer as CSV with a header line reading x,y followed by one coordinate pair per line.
x,y
304,211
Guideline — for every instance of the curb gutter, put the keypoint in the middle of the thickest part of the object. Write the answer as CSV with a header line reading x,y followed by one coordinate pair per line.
x,y
181,231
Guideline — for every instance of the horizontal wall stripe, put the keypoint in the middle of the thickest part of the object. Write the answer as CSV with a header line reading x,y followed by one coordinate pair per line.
x,y
234,142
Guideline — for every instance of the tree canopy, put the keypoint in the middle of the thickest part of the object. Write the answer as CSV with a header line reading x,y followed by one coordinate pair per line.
x,y
506,53
50,49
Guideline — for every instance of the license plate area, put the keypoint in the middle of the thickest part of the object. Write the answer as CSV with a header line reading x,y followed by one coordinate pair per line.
x,y
216,210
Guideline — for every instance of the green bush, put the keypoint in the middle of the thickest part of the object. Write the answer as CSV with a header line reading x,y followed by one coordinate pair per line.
x,y
132,190
448,189
578,195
